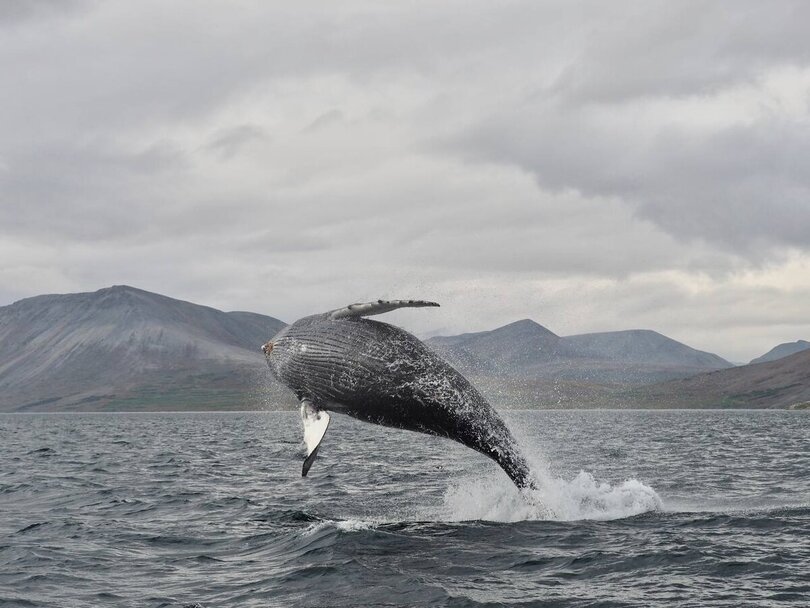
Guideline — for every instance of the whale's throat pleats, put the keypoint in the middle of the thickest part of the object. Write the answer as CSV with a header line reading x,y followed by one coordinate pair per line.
x,y
316,421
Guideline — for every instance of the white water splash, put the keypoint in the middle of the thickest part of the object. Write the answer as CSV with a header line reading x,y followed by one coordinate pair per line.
x,y
346,525
583,497
495,498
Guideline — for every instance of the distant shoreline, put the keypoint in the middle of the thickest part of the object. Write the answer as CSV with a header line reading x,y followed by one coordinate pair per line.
x,y
803,408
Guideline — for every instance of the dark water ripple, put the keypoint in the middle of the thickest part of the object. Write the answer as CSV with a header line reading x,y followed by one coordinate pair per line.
x,y
637,509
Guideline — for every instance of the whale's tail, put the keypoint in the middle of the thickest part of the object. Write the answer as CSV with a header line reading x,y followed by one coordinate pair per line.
x,y
516,467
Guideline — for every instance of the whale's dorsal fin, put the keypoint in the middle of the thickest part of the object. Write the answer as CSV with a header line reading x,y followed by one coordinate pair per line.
x,y
366,309
315,424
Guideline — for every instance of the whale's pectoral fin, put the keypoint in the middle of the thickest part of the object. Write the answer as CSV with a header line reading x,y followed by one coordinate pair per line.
x,y
366,309
316,422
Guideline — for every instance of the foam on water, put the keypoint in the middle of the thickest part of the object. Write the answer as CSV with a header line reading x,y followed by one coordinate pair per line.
x,y
491,496
495,499
345,525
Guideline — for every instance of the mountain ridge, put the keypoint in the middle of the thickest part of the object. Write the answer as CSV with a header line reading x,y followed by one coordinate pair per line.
x,y
782,350
782,383
526,348
124,348
105,346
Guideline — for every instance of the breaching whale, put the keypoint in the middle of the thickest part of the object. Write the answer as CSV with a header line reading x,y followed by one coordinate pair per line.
x,y
342,362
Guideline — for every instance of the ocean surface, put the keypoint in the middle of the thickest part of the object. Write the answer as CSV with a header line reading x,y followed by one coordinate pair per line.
x,y
636,508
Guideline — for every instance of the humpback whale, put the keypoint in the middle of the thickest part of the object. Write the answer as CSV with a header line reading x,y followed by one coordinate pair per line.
x,y
342,362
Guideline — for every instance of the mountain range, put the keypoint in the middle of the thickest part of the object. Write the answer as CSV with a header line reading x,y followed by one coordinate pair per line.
x,y
781,383
527,350
126,348
123,348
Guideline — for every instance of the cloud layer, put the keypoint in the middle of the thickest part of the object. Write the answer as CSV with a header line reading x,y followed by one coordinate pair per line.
x,y
592,166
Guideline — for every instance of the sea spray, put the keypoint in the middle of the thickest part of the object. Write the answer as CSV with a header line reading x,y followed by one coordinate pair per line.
x,y
492,497
583,497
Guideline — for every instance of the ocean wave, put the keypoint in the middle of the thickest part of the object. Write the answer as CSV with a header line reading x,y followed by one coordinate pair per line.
x,y
346,525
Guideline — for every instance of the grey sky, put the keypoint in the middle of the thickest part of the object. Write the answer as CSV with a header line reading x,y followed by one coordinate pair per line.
x,y
591,165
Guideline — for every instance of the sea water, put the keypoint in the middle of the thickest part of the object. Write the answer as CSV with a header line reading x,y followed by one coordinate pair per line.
x,y
633,508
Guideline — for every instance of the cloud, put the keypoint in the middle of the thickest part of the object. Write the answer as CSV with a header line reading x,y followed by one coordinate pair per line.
x,y
16,12
742,187
233,140
665,49
696,117
590,166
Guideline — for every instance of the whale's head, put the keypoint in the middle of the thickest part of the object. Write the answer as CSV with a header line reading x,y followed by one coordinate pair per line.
x,y
275,351
289,347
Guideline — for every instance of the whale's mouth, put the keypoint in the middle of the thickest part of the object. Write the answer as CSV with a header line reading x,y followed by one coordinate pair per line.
x,y
267,348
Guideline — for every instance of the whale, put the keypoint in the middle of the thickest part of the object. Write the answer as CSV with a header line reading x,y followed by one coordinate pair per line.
x,y
342,362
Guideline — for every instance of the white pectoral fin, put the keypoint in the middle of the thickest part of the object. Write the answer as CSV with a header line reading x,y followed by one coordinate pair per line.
x,y
315,424
366,309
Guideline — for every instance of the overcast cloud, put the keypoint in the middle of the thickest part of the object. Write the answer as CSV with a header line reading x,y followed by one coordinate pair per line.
x,y
590,165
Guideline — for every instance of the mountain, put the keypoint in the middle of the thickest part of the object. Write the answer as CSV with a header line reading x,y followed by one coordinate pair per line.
x,y
516,346
783,350
641,346
123,347
528,351
783,383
